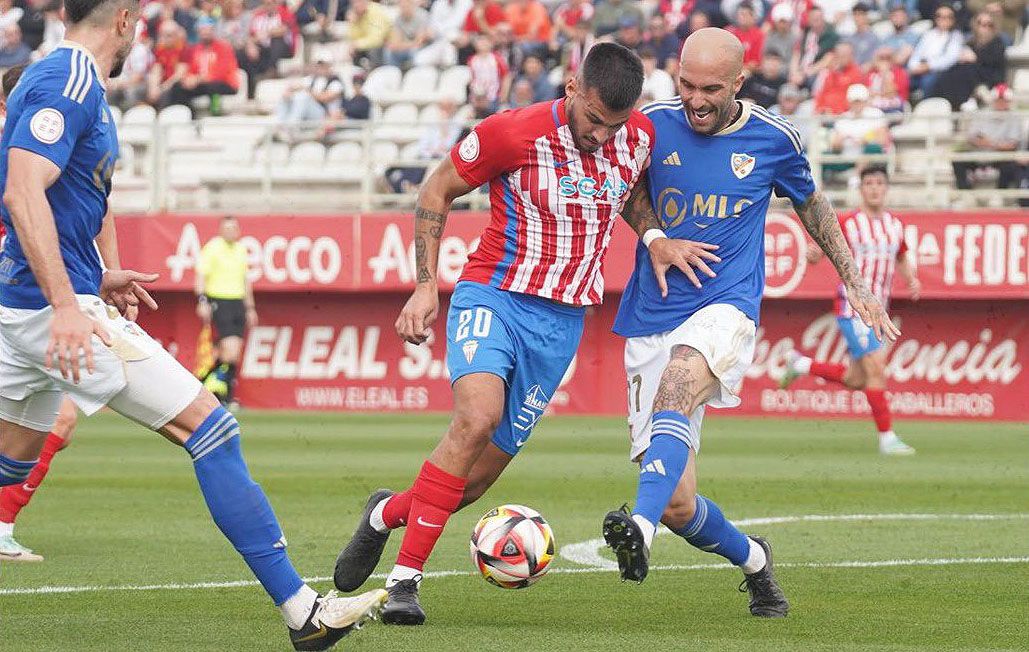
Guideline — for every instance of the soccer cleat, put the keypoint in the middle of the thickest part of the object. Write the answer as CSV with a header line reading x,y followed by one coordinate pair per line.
x,y
357,561
766,598
894,446
624,537
333,617
403,607
791,373
11,550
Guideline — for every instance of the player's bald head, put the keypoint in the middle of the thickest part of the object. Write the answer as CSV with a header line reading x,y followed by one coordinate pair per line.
x,y
715,50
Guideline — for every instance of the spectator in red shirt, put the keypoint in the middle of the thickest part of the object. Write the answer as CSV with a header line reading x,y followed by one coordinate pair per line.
x,y
171,56
490,74
747,31
484,17
211,70
273,36
675,11
888,82
530,25
568,16
842,73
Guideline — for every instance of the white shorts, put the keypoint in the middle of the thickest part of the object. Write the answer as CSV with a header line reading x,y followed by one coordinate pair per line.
x,y
135,377
721,333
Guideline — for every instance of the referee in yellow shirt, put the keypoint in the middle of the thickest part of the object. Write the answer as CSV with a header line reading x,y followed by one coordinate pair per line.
x,y
226,300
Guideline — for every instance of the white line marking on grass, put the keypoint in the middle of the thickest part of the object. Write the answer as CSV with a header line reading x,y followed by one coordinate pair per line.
x,y
585,553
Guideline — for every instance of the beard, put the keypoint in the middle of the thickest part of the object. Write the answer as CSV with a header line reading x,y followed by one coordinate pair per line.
x,y
119,60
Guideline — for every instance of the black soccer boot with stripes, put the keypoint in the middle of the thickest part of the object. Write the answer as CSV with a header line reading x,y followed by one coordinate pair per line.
x,y
624,536
766,597
403,607
358,560
333,617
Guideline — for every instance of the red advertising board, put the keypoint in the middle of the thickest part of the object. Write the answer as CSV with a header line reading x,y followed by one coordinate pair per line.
x,y
330,287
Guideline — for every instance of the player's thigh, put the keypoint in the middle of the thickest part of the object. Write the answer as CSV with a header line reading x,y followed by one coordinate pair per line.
x,y
24,423
683,503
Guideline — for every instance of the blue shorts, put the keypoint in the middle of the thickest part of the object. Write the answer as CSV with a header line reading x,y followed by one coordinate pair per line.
x,y
861,339
528,341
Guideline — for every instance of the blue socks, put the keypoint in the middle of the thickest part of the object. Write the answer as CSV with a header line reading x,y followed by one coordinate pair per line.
x,y
239,507
14,471
710,531
663,465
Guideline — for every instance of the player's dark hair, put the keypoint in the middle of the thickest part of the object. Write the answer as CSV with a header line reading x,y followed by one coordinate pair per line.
x,y
11,77
617,74
229,218
875,169
76,11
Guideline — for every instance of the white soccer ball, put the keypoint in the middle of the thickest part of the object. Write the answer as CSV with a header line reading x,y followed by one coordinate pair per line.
x,y
512,546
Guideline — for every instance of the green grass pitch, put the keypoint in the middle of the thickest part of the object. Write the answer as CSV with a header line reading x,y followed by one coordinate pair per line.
x,y
121,509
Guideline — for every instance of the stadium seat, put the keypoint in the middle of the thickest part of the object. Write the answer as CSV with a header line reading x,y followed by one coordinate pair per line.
x,y
384,153
384,79
410,151
430,114
175,114
308,155
399,123
1020,85
137,125
453,82
276,153
419,85
116,114
349,153
931,116
270,91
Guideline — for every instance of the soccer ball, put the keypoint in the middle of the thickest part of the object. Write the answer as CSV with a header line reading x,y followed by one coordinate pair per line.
x,y
512,546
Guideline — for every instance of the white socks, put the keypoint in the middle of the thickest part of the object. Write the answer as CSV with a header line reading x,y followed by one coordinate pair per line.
x,y
888,437
401,573
297,608
375,518
756,559
6,529
648,529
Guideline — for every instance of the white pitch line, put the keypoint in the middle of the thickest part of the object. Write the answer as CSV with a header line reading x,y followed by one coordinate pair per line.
x,y
885,563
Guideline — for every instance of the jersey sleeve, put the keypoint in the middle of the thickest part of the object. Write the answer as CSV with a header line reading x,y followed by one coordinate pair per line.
x,y
50,124
490,150
793,177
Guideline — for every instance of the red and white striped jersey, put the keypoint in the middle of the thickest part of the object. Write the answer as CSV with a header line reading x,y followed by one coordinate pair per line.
x,y
876,243
552,206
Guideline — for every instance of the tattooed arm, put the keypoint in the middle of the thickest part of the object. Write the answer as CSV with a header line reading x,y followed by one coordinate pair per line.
x,y
665,252
819,218
438,192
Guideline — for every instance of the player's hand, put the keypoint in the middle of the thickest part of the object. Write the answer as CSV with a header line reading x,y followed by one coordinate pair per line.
x,y
418,314
872,313
251,317
684,254
204,312
121,288
71,333
915,289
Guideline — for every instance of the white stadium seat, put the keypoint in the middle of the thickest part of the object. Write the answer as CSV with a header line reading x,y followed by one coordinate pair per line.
x,y
453,83
382,80
349,153
270,91
399,123
175,114
137,125
931,116
308,154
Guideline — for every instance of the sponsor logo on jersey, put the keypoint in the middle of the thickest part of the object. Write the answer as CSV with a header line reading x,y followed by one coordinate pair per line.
x,y
532,409
674,206
741,164
672,159
610,188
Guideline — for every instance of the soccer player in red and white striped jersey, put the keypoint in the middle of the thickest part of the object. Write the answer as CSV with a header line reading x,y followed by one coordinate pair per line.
x,y
559,173
876,238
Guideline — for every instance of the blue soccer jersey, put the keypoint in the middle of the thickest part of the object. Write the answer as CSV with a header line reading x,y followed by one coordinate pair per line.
x,y
713,189
59,110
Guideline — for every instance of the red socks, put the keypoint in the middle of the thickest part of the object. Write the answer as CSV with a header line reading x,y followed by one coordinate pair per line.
x,y
14,497
395,511
880,409
828,370
435,495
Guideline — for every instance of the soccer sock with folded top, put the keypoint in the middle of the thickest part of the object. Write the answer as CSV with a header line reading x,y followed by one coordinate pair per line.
x,y
14,471
662,467
15,497
435,495
833,371
392,512
880,410
238,505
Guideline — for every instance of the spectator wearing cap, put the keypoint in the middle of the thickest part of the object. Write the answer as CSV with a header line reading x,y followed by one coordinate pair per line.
x,y
310,100
211,69
14,51
530,25
611,16
983,61
490,73
903,40
888,82
662,40
781,37
837,79
863,40
446,18
938,49
861,129
534,74
370,26
763,86
410,33
818,40
630,34
746,29
993,132
657,84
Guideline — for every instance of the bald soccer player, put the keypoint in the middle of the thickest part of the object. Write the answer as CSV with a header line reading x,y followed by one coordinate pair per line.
x,y
716,162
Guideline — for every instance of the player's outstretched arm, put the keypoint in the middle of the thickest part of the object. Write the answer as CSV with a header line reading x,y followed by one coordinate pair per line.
x,y
121,288
438,193
819,218
664,251
28,177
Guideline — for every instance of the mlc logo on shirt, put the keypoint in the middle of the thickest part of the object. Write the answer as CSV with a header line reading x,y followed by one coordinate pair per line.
x,y
47,126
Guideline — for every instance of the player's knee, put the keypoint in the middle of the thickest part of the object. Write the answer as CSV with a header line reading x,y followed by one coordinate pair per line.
x,y
473,425
67,419
680,510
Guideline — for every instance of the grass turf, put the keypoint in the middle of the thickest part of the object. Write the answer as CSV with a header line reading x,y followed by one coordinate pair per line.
x,y
121,508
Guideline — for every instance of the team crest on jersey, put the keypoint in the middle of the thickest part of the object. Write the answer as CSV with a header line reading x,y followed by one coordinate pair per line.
x,y
742,164
469,348
469,150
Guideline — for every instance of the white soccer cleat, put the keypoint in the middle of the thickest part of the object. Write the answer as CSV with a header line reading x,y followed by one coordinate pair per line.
x,y
11,550
340,612
894,446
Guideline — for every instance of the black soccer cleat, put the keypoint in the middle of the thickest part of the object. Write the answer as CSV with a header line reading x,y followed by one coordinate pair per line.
x,y
333,617
624,536
403,607
358,560
766,597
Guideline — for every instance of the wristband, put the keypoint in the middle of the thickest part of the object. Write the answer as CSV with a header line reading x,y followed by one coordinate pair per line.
x,y
202,299
651,235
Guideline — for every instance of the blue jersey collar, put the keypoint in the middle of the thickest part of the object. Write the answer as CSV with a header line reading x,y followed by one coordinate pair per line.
x,y
72,45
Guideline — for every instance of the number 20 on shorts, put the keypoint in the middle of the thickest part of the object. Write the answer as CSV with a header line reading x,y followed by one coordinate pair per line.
x,y
483,320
